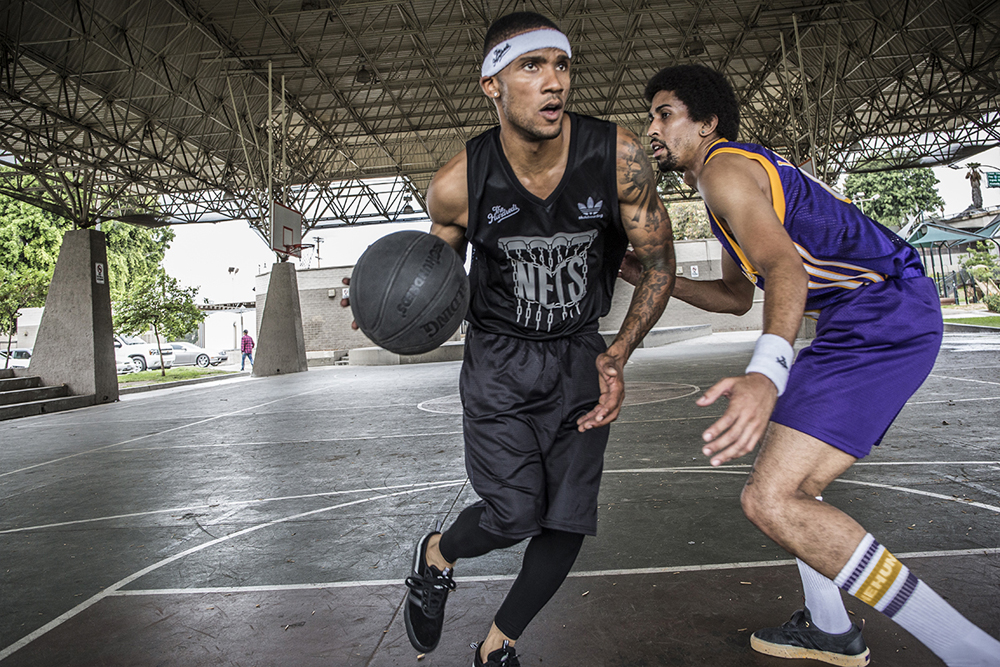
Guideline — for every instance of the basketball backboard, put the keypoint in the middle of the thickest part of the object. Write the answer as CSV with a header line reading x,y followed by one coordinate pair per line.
x,y
286,230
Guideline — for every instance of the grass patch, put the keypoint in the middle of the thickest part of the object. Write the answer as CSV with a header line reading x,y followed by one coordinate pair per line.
x,y
989,321
173,375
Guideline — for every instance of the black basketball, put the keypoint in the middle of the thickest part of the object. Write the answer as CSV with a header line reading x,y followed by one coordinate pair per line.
x,y
409,292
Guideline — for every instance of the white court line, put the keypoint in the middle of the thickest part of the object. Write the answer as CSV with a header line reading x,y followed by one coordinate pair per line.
x,y
708,567
945,377
301,441
750,465
929,494
732,469
237,503
169,430
110,590
259,414
115,588
954,400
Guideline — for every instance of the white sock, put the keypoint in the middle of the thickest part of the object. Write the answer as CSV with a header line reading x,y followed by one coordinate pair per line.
x,y
875,577
944,631
823,601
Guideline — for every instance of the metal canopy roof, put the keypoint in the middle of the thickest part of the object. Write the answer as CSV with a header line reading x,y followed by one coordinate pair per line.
x,y
126,107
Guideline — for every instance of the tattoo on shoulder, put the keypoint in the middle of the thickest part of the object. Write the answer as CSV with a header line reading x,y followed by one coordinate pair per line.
x,y
637,185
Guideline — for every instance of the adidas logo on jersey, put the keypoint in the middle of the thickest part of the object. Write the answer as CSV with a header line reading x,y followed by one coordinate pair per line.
x,y
591,209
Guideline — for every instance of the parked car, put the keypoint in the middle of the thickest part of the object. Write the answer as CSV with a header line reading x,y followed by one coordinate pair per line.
x,y
187,354
123,362
18,358
144,355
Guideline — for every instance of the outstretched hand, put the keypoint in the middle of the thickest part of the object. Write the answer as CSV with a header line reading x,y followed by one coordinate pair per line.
x,y
740,428
346,302
610,376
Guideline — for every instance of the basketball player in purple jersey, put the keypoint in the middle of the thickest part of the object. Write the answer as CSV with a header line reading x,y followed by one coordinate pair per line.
x,y
877,335
548,201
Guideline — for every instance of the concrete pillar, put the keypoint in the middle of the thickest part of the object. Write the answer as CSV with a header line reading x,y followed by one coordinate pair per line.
x,y
75,344
281,347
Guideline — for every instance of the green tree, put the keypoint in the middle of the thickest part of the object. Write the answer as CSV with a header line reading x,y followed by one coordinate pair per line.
x,y
133,251
900,193
17,291
158,302
983,266
689,220
30,239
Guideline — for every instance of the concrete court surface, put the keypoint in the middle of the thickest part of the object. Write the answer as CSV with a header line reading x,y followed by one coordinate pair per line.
x,y
270,521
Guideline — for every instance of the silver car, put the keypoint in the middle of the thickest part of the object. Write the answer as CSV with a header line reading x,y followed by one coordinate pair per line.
x,y
186,354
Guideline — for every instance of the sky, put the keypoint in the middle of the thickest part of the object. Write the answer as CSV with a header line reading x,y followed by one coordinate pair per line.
x,y
223,259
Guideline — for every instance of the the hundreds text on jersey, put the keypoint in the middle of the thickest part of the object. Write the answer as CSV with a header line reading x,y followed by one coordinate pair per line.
x,y
549,274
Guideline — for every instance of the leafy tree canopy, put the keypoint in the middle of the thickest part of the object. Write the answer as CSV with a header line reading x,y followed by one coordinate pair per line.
x,y
30,240
133,252
901,193
689,220
158,302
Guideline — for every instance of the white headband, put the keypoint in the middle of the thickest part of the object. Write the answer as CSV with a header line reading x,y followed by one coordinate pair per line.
x,y
507,51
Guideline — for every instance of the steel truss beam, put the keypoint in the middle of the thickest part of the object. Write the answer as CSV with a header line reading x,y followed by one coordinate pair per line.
x,y
117,107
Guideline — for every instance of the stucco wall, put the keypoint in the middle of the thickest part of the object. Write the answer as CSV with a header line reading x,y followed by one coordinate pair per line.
x,y
327,326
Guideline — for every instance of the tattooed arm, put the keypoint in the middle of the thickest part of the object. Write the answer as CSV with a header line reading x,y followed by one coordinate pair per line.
x,y
648,228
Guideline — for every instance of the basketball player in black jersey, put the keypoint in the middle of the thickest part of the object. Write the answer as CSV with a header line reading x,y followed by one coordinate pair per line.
x,y
549,201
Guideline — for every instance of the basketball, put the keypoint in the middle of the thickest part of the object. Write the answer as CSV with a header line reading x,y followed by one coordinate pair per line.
x,y
409,292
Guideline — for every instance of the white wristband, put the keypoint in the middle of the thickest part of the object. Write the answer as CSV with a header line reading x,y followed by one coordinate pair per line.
x,y
772,357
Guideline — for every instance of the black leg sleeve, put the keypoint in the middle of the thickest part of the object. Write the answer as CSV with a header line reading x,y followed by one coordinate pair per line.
x,y
465,539
547,561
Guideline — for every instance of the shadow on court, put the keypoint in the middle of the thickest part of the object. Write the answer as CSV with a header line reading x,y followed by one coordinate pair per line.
x,y
271,522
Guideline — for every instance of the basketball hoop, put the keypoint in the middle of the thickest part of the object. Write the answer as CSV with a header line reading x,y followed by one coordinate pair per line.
x,y
295,249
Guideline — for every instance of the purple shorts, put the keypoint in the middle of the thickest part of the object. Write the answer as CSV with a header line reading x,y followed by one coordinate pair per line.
x,y
872,351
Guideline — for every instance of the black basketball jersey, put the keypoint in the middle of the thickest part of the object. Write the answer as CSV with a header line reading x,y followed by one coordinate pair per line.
x,y
545,269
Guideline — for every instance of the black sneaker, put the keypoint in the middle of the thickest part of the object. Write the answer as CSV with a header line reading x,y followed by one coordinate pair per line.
x,y
505,656
799,638
429,588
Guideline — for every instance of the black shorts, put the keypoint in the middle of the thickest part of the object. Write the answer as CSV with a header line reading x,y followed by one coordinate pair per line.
x,y
523,453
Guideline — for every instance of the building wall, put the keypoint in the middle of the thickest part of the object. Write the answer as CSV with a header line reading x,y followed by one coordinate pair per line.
x,y
699,259
327,327
27,329
325,324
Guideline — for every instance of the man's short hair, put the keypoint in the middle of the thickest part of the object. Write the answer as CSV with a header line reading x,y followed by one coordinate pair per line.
x,y
507,26
244,331
703,91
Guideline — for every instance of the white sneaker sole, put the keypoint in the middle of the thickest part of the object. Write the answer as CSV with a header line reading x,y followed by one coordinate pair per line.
x,y
785,651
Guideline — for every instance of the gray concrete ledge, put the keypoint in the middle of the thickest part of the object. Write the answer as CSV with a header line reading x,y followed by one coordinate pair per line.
x,y
325,357
46,406
666,335
179,383
453,350
376,356
951,327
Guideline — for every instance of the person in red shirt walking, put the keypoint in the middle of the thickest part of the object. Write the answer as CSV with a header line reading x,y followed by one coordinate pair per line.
x,y
246,347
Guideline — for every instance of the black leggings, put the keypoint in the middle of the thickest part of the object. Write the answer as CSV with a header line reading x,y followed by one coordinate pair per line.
x,y
547,560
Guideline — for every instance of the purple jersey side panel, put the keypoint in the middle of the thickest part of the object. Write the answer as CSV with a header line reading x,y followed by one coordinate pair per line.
x,y
841,248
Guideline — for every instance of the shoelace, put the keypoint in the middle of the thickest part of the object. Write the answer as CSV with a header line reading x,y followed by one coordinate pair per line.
x,y
433,590
513,661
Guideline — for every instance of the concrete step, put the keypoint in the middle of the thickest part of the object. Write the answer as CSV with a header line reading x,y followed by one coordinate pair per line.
x,y
28,382
46,406
6,372
34,394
